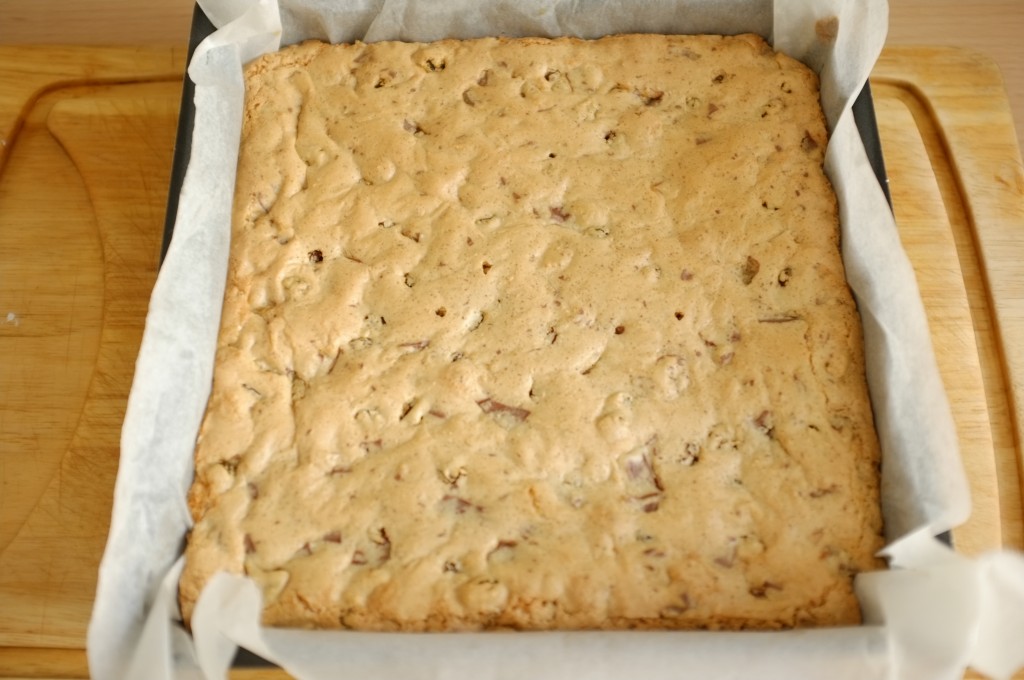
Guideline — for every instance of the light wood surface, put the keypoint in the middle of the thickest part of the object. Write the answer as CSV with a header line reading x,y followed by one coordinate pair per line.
x,y
83,187
958,196
83,183
990,27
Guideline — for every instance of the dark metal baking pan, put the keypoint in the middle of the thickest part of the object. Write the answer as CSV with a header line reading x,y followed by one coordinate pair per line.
x,y
201,27
863,112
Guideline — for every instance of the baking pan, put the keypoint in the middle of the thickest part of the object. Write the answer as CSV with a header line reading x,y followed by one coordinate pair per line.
x,y
863,112
201,27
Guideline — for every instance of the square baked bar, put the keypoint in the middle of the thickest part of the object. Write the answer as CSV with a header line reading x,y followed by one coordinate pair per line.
x,y
537,334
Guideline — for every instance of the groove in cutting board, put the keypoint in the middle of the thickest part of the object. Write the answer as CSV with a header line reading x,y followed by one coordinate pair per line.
x,y
921,187
965,97
31,72
930,208
88,238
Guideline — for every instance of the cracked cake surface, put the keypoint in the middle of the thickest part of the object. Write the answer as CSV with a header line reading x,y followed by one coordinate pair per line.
x,y
537,334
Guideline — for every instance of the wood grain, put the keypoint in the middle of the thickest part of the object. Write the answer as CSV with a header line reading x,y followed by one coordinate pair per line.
x,y
30,663
84,182
95,22
83,179
990,27
967,180
931,245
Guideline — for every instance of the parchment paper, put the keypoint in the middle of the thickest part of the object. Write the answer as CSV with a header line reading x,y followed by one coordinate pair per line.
x,y
930,617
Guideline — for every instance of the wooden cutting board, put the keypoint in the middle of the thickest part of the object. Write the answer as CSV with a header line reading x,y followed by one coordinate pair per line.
x,y
87,140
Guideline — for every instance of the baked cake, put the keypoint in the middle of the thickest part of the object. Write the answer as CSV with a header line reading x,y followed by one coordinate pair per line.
x,y
537,334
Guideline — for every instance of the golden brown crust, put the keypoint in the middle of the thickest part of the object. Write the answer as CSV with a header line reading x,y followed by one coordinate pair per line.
x,y
537,334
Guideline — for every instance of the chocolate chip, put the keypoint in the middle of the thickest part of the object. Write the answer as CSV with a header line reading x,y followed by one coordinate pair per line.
x,y
558,212
651,97
489,405
749,270
808,143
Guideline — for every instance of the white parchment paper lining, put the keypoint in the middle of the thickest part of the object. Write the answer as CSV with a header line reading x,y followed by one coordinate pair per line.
x,y
929,617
